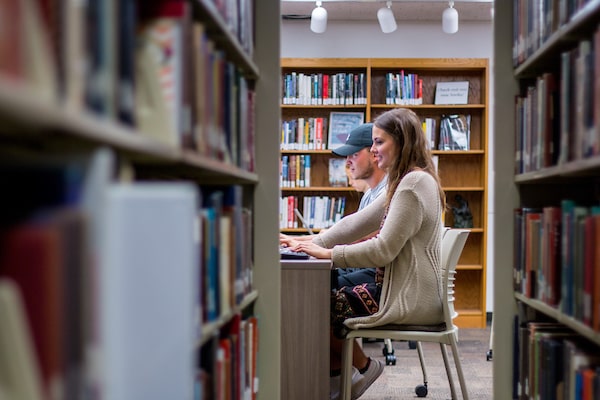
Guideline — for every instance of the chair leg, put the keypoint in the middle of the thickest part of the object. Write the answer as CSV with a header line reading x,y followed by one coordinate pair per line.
x,y
422,361
459,371
448,371
346,378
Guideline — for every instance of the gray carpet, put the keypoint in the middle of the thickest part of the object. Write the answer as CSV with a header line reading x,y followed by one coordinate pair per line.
x,y
398,381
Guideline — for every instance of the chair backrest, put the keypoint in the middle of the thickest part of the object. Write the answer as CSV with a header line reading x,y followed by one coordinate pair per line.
x,y
453,243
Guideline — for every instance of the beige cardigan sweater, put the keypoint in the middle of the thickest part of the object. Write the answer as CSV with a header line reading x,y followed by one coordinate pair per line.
x,y
408,246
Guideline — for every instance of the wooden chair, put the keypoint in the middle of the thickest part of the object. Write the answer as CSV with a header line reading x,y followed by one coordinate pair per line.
x,y
446,333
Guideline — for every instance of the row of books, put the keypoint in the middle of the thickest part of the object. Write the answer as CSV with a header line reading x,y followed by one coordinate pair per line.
x,y
121,269
319,212
312,133
343,88
552,362
404,89
295,171
239,18
227,369
557,118
308,133
103,268
535,21
147,65
557,259
226,251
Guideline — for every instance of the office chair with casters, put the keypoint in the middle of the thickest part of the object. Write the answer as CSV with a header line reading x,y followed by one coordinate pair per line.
x,y
445,333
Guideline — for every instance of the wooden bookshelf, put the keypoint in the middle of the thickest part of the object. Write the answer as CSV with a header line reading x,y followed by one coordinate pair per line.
x,y
41,125
521,183
462,172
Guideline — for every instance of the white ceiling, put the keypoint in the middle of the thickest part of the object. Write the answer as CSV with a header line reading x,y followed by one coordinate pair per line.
x,y
404,10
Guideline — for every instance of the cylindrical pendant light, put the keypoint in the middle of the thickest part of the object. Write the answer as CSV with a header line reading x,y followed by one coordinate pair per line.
x,y
450,19
387,22
318,19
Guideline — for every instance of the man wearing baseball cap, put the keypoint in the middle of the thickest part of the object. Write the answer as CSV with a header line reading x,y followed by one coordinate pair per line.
x,y
361,165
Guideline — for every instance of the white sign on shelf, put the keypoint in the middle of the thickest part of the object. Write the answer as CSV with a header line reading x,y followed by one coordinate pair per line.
x,y
452,92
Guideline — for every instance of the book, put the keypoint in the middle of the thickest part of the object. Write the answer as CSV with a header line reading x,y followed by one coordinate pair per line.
x,y
567,97
337,172
68,27
159,69
532,252
575,358
31,256
152,112
11,41
101,72
149,247
550,278
19,368
39,61
125,95
596,262
227,262
455,132
210,263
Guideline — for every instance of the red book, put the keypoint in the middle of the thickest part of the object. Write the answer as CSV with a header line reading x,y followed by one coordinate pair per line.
x,y
325,89
11,49
290,209
319,133
551,257
588,376
223,370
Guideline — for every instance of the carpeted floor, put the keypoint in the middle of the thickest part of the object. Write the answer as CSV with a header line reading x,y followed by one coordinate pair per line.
x,y
398,381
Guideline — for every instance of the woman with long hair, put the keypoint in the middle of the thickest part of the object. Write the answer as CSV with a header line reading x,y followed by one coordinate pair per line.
x,y
406,251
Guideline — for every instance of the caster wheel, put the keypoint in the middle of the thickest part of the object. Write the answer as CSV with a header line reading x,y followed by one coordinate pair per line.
x,y
412,344
386,352
390,359
421,390
489,355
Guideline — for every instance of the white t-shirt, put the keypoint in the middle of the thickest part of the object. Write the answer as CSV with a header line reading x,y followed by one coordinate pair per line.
x,y
372,194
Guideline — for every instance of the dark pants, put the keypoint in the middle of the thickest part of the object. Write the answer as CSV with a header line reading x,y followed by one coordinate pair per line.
x,y
341,277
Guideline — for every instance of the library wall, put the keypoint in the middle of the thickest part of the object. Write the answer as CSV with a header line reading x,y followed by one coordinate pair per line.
x,y
298,41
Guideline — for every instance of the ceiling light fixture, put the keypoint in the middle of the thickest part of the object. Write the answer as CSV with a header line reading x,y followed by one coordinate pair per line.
x,y
450,19
318,19
385,15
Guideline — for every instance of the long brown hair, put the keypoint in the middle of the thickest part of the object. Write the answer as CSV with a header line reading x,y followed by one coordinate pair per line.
x,y
404,126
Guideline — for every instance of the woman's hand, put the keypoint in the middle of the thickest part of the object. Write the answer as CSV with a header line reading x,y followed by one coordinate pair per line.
x,y
285,239
313,250
288,241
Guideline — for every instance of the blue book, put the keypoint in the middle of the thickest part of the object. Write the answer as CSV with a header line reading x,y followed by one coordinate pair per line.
x,y
210,263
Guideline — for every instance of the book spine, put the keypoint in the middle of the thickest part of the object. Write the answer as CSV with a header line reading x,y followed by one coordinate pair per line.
x,y
307,170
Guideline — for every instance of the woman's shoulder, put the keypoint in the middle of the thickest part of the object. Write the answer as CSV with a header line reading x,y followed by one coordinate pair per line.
x,y
416,176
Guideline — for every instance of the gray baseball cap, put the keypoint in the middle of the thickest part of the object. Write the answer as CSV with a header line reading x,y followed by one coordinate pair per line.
x,y
359,138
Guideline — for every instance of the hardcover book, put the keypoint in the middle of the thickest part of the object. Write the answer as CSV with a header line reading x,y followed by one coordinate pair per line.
x,y
337,172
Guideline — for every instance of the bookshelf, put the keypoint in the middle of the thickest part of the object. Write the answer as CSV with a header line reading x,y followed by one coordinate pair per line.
x,y
531,73
463,172
78,149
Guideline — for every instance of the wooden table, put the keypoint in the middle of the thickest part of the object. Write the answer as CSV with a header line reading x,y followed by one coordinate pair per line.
x,y
305,293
